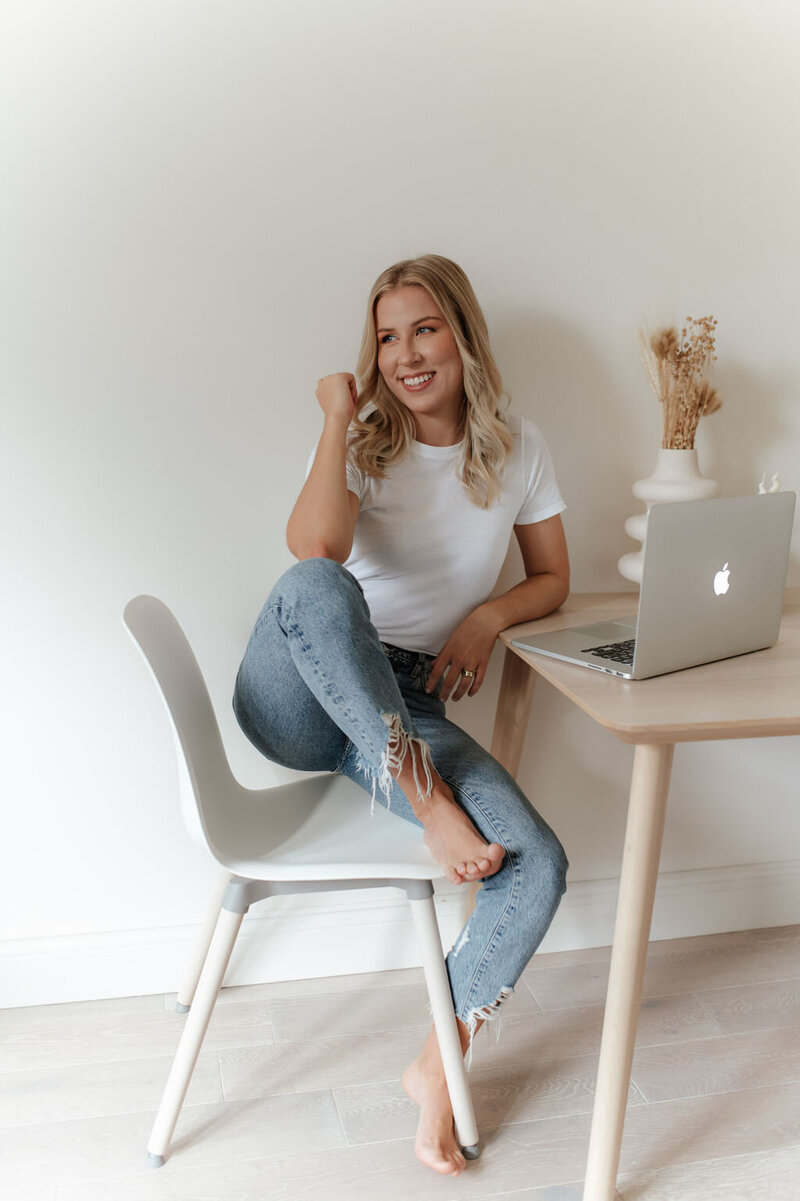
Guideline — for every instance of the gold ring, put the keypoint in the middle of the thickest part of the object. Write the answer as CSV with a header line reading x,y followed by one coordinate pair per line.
x,y
470,675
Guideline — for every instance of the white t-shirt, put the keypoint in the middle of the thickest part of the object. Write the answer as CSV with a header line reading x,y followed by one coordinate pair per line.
x,y
424,553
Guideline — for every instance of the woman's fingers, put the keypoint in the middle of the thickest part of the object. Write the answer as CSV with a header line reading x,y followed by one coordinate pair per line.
x,y
468,649
468,685
438,666
455,682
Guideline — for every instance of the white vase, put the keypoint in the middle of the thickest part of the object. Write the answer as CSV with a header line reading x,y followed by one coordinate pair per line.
x,y
676,477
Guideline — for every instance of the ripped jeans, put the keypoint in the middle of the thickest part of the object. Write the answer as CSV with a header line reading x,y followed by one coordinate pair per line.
x,y
318,691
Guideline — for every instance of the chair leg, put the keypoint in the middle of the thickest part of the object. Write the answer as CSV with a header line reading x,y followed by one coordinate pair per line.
x,y
194,1032
444,1019
195,967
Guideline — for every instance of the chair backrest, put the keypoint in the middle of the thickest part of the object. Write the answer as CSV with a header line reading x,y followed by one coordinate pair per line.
x,y
205,775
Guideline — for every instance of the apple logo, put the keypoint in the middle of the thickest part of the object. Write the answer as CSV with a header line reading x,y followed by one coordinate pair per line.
x,y
721,583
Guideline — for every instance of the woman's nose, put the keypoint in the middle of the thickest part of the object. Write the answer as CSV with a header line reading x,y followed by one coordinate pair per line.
x,y
409,352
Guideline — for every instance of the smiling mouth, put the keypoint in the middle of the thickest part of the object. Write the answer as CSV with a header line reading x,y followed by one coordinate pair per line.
x,y
415,383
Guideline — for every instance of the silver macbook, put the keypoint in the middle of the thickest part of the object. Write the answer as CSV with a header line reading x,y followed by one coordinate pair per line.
x,y
713,578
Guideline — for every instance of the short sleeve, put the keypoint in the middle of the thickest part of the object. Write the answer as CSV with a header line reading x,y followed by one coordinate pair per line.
x,y
355,479
542,496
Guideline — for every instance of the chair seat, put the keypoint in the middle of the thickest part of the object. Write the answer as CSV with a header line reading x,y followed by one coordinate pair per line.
x,y
319,828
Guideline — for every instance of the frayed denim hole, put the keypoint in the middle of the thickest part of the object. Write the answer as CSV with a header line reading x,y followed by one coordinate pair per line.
x,y
486,1013
398,744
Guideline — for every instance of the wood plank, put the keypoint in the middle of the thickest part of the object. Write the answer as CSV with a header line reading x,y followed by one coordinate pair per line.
x,y
100,1089
765,1176
61,1040
678,971
315,1064
102,1149
697,1131
716,1065
754,1006
372,1172
372,1113
401,1008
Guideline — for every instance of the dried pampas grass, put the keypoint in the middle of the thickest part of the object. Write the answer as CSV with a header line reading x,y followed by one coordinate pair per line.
x,y
678,369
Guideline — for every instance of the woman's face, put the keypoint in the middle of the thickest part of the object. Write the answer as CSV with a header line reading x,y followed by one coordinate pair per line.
x,y
418,357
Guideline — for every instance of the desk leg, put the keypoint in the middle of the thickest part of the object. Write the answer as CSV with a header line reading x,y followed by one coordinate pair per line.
x,y
646,809
513,711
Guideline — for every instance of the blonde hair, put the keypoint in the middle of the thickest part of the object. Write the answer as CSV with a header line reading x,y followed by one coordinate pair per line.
x,y
382,435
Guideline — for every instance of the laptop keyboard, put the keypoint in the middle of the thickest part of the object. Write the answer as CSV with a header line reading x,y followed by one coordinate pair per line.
x,y
620,652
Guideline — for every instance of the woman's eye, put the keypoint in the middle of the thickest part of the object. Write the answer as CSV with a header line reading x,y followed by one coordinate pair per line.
x,y
422,329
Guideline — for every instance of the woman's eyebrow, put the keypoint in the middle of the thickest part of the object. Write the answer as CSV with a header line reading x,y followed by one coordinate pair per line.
x,y
387,329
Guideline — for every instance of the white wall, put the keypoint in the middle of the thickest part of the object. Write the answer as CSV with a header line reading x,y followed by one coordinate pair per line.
x,y
196,198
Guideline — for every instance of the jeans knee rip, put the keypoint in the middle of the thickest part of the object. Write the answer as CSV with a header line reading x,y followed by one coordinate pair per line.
x,y
486,1013
398,745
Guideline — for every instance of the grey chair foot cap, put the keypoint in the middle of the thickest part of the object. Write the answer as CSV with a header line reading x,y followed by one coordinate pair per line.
x,y
181,1008
471,1152
155,1161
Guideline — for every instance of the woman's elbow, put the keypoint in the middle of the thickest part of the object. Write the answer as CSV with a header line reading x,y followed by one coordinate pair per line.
x,y
562,590
317,549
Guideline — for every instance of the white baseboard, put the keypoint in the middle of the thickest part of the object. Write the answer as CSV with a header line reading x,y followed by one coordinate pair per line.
x,y
343,933
751,896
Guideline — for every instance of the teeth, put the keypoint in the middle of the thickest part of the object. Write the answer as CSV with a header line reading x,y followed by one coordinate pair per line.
x,y
418,379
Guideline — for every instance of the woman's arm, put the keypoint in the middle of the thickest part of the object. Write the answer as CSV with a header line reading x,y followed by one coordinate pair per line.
x,y
324,517
546,586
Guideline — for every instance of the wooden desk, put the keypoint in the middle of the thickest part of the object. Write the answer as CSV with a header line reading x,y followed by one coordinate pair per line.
x,y
751,696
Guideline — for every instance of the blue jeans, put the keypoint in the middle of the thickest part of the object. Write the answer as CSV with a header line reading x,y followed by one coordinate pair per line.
x,y
318,691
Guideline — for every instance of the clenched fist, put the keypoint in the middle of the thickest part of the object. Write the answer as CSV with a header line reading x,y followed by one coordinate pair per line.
x,y
337,395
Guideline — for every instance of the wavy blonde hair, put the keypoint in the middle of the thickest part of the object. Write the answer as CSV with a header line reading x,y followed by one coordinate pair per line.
x,y
384,428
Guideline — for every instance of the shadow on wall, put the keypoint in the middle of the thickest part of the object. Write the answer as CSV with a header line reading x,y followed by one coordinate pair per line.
x,y
563,380
750,433
753,438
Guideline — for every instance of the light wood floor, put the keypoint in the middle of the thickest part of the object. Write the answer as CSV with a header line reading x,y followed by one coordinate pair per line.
x,y
296,1094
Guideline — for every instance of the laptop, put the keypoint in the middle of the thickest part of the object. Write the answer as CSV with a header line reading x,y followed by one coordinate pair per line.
x,y
713,578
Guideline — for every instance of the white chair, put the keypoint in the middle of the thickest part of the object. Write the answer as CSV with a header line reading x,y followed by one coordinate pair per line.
x,y
313,835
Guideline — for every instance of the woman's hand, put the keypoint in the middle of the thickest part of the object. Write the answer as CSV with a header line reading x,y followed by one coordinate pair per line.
x,y
337,395
468,648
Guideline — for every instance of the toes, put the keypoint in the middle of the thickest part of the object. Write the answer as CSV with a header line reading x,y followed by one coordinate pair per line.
x,y
496,855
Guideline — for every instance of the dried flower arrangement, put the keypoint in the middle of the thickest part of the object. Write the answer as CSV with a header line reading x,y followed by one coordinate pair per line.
x,y
678,369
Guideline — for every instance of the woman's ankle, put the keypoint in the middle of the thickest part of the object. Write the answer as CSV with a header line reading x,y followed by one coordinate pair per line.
x,y
422,801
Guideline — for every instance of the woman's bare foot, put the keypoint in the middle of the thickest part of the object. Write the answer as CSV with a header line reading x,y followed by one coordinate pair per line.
x,y
436,1145
462,853
455,843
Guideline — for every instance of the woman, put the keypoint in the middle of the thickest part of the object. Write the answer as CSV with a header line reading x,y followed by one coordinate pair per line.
x,y
400,532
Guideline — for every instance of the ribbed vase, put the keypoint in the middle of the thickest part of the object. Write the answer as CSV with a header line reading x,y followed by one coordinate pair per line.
x,y
676,477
